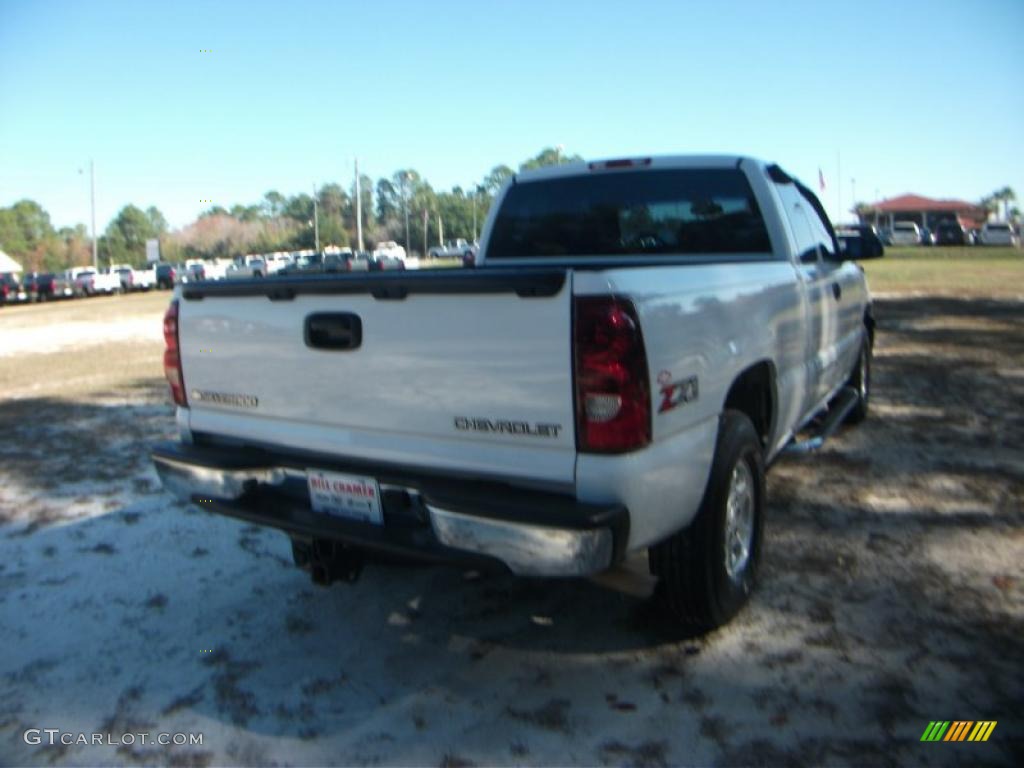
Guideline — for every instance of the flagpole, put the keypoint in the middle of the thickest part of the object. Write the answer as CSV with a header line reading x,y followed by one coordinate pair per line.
x,y
839,187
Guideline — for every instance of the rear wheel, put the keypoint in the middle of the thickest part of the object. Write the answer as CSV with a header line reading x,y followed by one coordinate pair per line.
x,y
708,570
860,380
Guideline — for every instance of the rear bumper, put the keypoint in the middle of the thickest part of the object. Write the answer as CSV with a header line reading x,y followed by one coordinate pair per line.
x,y
531,533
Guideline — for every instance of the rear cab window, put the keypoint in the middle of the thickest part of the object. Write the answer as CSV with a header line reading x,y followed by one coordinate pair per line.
x,y
634,213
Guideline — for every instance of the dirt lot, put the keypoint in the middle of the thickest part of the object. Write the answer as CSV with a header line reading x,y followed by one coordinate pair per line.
x,y
892,594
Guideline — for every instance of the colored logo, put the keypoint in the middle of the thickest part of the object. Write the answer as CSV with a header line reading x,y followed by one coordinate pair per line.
x,y
958,730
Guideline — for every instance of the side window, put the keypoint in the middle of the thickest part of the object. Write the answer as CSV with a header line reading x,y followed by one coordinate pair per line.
x,y
799,222
819,229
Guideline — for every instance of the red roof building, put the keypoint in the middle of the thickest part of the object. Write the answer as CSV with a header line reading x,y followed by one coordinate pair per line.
x,y
924,211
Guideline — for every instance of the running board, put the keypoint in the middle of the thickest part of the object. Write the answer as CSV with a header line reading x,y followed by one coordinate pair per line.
x,y
839,410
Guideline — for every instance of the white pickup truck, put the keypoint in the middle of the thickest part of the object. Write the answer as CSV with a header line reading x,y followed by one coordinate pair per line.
x,y
458,248
639,340
133,279
389,250
91,283
249,266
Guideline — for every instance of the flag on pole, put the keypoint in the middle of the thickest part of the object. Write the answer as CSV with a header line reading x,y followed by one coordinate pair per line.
x,y
821,180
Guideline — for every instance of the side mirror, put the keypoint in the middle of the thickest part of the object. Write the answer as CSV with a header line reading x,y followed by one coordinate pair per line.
x,y
857,247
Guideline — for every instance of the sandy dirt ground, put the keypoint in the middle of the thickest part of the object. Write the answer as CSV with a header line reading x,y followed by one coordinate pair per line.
x,y
892,595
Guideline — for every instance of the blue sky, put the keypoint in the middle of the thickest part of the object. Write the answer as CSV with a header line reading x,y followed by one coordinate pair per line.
x,y
925,97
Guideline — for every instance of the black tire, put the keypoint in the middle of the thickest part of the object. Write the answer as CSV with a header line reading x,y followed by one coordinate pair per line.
x,y
860,380
695,585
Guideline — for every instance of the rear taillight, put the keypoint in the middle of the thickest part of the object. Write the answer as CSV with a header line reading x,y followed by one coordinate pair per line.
x,y
172,356
613,402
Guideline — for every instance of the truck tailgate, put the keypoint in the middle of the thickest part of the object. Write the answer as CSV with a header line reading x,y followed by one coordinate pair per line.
x,y
466,371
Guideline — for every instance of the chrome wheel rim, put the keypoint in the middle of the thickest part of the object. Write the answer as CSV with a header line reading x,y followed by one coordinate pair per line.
x,y
739,520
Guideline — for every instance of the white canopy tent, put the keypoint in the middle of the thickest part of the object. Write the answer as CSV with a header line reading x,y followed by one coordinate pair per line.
x,y
7,264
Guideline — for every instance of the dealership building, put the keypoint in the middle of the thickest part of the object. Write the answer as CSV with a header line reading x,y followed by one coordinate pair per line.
x,y
923,211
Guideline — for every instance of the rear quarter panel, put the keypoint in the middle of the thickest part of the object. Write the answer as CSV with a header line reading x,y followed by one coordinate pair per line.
x,y
709,323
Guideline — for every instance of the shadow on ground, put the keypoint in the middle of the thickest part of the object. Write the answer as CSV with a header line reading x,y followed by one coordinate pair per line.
x,y
891,596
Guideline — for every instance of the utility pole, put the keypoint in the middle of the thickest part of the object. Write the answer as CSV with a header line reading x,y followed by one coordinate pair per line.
x,y
316,222
92,201
426,219
405,204
474,214
440,230
359,210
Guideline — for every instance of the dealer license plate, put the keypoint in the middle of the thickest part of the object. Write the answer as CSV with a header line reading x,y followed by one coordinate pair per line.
x,y
352,497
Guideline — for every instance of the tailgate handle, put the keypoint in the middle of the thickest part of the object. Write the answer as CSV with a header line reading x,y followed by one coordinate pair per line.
x,y
333,330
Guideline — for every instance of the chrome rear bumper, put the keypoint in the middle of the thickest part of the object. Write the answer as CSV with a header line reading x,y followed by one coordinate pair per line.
x,y
472,524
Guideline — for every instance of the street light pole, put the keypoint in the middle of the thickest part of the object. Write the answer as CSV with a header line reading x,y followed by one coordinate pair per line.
x,y
426,215
404,202
359,210
316,222
92,202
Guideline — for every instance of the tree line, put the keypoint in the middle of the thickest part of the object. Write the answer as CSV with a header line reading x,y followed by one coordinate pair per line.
x,y
391,207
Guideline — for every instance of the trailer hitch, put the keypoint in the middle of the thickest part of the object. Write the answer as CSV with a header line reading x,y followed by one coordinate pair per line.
x,y
327,560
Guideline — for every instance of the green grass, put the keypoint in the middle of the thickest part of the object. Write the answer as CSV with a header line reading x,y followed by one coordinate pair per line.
x,y
978,271
943,253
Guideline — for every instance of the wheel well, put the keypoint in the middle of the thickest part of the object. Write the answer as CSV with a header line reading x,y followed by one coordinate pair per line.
x,y
753,393
869,323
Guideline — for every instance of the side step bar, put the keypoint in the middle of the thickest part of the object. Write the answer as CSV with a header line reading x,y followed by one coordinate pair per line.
x,y
840,408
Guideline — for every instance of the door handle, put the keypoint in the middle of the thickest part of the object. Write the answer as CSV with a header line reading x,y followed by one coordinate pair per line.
x,y
837,290
333,330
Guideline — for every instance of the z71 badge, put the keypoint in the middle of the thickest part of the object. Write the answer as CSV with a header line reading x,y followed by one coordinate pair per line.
x,y
676,393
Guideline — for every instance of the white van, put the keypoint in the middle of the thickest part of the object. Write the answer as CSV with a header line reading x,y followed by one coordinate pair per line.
x,y
906,233
998,233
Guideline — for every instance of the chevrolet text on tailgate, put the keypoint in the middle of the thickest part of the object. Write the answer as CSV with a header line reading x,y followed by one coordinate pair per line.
x,y
639,340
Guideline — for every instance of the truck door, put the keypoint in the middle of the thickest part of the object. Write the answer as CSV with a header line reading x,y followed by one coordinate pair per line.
x,y
812,275
843,301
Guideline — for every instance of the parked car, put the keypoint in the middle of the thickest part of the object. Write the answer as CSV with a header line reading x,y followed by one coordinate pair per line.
x,y
952,233
927,236
386,263
133,279
859,241
11,291
459,248
320,262
249,266
93,283
143,279
277,261
46,286
905,233
606,389
194,270
166,276
998,233
363,261
389,249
